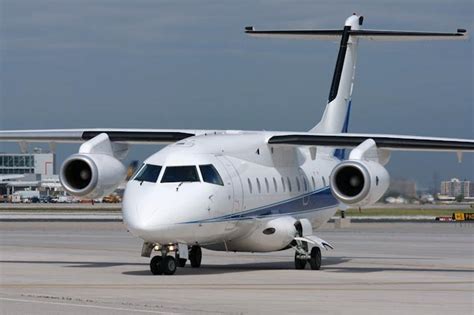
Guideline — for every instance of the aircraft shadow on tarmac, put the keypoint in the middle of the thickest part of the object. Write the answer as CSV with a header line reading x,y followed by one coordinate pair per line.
x,y
330,264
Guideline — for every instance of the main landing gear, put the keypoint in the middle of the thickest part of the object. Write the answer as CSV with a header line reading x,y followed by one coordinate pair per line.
x,y
167,264
303,256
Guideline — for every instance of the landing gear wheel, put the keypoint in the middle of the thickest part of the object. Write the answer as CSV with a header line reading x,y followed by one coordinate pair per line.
x,y
169,265
195,256
315,260
156,266
299,263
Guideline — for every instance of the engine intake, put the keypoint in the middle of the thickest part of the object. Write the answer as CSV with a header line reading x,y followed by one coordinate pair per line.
x,y
350,181
91,175
359,182
78,174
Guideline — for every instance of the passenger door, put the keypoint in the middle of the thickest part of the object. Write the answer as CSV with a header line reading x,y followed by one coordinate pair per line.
x,y
233,180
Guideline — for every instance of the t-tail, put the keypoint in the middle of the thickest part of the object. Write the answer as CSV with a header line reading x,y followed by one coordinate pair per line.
x,y
336,115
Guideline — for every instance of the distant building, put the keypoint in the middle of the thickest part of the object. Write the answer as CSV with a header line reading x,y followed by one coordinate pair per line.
x,y
28,172
455,187
38,163
402,187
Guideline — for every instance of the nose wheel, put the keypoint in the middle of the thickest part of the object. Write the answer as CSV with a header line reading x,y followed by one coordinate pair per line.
x,y
169,265
160,265
156,267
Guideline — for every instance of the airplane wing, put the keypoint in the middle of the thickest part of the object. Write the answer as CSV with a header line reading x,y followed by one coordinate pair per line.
x,y
165,136
388,142
131,136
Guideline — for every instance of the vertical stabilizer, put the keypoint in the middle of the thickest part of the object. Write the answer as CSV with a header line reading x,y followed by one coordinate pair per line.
x,y
336,115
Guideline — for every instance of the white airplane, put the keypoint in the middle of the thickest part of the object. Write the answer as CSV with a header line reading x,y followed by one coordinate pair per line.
x,y
245,191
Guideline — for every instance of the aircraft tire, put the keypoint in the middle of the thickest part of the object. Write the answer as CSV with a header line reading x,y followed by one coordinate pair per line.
x,y
169,265
315,260
299,263
195,256
156,266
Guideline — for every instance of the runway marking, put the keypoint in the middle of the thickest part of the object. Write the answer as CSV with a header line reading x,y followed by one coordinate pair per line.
x,y
244,286
71,248
86,306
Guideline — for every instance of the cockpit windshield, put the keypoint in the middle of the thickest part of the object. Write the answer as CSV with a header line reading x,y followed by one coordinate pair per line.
x,y
148,173
178,174
210,175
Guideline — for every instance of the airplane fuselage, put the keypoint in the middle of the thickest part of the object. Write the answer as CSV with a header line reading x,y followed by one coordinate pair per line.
x,y
259,183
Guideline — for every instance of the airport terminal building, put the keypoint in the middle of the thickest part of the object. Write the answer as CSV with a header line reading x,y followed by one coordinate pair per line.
x,y
27,163
33,171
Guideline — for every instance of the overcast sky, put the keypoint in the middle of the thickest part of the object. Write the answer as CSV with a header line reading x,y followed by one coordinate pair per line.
x,y
188,64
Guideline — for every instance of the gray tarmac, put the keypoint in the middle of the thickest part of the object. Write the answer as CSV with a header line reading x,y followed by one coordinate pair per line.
x,y
375,268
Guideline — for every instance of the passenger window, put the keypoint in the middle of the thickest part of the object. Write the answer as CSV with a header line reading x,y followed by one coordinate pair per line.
x,y
178,174
314,183
305,184
210,175
267,185
298,184
148,173
324,181
259,187
275,184
250,185
283,184
289,184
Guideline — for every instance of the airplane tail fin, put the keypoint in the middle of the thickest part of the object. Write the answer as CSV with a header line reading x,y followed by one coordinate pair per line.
x,y
336,115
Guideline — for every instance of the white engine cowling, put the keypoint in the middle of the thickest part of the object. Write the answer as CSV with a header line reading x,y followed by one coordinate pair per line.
x,y
91,175
359,183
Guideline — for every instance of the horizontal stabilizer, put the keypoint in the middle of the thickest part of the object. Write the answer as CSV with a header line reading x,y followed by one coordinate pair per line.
x,y
297,34
407,35
380,35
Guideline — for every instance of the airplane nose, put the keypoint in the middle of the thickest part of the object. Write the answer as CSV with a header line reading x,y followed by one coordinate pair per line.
x,y
157,214
144,214
138,213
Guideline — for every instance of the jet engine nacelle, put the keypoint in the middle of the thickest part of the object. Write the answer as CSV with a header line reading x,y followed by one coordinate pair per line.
x,y
91,175
359,183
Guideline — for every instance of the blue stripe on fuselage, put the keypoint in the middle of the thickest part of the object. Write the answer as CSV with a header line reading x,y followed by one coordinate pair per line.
x,y
319,199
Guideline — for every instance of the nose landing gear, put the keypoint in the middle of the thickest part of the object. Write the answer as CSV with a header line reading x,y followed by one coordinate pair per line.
x,y
166,264
160,265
